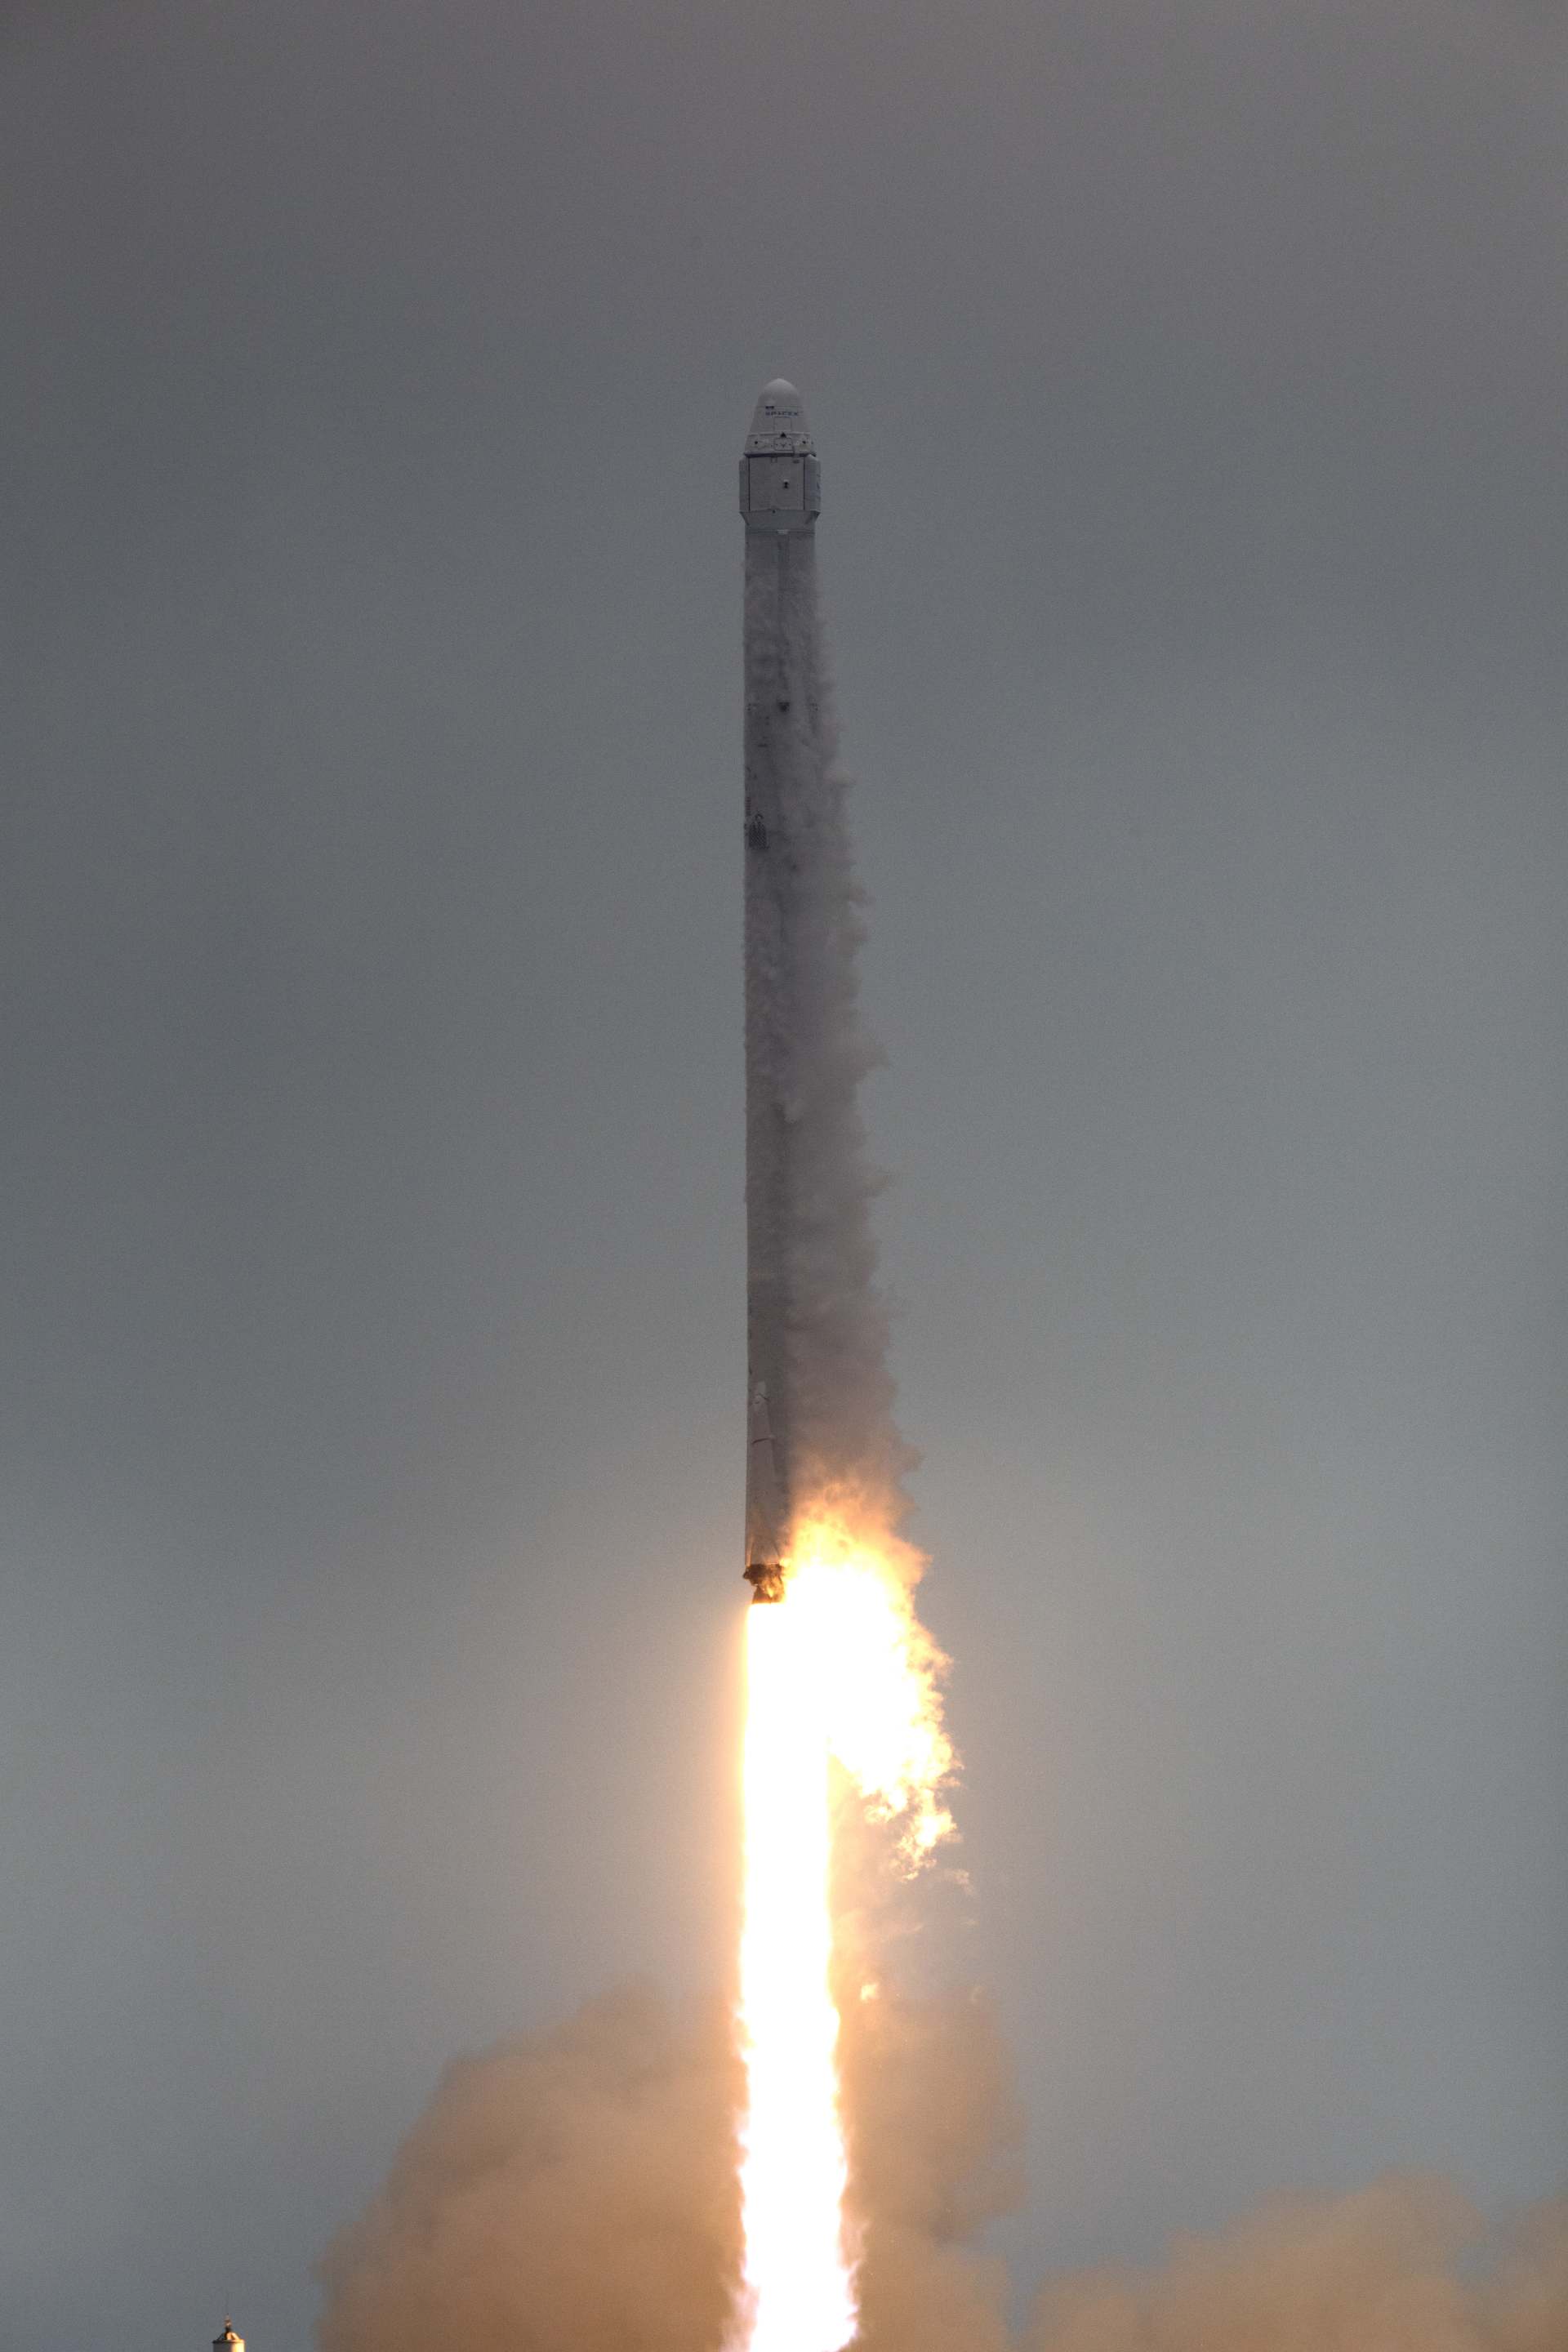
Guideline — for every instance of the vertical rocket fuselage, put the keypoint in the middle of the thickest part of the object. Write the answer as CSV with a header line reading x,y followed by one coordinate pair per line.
x,y
779,499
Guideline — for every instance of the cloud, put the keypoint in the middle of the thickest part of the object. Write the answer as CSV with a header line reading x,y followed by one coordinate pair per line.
x,y
576,2189
1405,2266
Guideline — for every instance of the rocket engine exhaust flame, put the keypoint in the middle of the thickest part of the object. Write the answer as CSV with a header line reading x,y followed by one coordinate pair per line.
x,y
798,2287
841,1679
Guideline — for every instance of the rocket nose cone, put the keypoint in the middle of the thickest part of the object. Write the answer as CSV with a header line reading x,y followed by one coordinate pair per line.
x,y
778,420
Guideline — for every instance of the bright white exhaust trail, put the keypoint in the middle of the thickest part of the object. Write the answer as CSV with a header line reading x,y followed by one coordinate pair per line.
x,y
799,2288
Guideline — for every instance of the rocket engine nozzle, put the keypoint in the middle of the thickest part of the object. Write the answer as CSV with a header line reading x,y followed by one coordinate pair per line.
x,y
766,1580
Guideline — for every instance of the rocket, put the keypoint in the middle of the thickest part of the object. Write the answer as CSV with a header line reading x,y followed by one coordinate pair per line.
x,y
780,496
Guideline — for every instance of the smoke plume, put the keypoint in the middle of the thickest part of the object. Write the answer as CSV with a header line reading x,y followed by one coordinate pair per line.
x,y
1407,2265
576,2190
576,2193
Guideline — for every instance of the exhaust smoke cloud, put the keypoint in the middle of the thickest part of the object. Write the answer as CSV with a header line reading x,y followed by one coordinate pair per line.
x,y
576,2193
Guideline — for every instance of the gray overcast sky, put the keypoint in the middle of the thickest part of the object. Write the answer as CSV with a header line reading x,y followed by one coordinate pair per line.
x,y
1189,381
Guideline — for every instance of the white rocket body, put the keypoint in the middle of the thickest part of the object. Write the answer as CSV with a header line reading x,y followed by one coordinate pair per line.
x,y
780,498
819,1423
820,1430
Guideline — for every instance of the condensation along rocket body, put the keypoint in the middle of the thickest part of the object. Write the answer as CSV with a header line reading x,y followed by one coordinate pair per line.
x,y
779,499
820,1432
784,754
